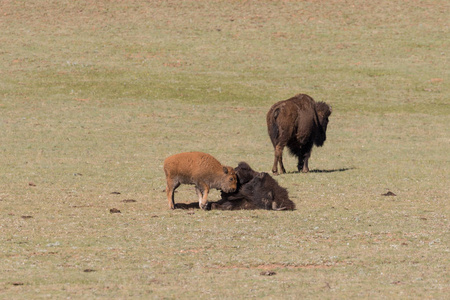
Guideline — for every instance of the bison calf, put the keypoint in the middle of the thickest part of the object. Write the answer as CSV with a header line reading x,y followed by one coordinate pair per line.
x,y
298,123
199,169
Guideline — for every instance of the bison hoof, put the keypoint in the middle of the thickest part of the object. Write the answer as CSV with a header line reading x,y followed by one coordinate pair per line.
x,y
208,206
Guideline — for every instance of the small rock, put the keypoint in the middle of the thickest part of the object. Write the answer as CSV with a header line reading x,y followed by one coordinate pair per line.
x,y
129,200
267,273
389,193
55,244
88,270
114,211
17,283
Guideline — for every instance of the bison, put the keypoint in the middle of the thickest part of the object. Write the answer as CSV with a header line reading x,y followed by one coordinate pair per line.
x,y
298,123
255,191
201,170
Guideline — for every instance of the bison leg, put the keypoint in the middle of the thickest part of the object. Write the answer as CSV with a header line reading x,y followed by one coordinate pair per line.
x,y
170,191
199,194
305,168
302,165
275,164
202,193
278,159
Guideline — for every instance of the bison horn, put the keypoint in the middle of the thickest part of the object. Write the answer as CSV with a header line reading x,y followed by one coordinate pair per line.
x,y
225,170
274,207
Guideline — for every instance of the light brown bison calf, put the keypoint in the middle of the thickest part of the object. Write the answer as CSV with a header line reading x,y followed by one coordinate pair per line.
x,y
201,170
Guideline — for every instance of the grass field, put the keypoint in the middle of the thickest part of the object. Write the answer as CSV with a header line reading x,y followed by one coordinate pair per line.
x,y
94,95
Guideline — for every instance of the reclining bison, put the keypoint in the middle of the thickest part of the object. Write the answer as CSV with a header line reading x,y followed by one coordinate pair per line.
x,y
298,123
254,191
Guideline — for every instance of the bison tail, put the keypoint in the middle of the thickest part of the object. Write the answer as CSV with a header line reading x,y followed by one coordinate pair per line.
x,y
272,125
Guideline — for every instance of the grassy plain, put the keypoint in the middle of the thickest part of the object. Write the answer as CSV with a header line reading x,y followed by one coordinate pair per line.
x,y
95,94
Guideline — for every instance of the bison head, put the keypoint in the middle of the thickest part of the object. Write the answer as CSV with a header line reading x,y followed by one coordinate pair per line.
x,y
323,111
229,180
244,172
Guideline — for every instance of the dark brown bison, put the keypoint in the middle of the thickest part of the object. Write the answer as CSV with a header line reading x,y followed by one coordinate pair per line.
x,y
298,123
255,191
201,170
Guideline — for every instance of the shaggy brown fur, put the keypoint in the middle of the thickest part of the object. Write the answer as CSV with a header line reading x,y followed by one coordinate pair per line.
x,y
201,170
255,191
298,123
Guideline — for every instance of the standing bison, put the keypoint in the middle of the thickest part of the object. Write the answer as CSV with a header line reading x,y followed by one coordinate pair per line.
x,y
298,123
201,170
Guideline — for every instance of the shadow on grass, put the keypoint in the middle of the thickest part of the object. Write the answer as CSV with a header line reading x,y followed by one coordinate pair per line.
x,y
332,170
323,171
192,205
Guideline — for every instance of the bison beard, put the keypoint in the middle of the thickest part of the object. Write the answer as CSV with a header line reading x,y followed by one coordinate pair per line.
x,y
255,191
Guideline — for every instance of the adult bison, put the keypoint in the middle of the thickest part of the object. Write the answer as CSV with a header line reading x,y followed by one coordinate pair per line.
x,y
254,191
298,123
